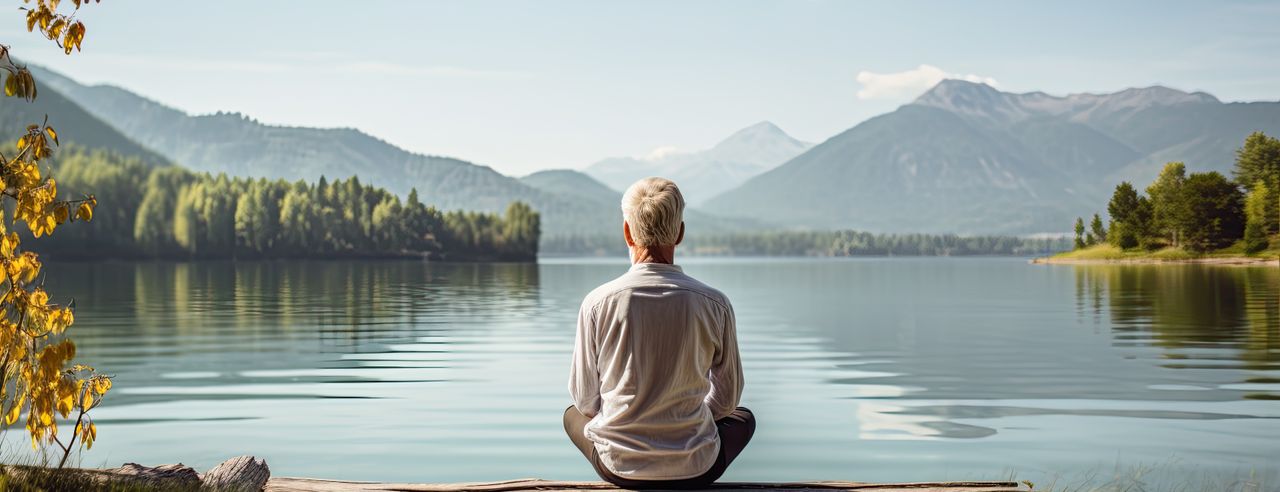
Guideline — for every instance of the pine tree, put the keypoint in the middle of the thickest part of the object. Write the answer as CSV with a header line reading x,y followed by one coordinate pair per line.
x,y
1096,232
1258,161
1079,243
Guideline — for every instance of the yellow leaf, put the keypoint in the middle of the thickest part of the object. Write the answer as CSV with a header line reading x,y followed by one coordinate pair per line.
x,y
85,212
28,84
52,134
65,403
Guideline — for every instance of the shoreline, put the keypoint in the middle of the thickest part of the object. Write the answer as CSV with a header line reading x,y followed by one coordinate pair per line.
x,y
1210,260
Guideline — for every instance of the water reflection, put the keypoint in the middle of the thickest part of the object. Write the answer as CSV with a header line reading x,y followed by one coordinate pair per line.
x,y
866,369
1202,317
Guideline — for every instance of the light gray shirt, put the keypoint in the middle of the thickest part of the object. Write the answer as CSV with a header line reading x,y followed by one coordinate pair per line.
x,y
655,364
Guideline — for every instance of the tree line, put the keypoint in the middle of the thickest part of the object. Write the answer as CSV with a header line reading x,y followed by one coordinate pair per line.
x,y
820,243
1198,212
171,212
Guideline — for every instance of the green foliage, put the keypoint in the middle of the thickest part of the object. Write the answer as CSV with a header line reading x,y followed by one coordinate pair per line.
x,y
1130,216
1079,229
1169,208
1259,216
1123,235
1097,234
1090,239
521,228
1255,240
1216,217
169,212
1203,211
1258,161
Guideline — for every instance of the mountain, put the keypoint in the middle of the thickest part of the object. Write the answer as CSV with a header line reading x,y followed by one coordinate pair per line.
x,y
571,203
239,146
234,144
606,204
967,158
703,174
567,182
73,123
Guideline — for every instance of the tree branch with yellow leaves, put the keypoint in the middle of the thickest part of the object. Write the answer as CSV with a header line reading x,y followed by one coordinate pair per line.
x,y
34,372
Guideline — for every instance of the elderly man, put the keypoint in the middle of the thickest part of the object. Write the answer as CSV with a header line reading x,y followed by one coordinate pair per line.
x,y
655,377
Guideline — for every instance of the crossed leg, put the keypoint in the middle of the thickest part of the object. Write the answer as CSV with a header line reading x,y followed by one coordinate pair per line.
x,y
735,432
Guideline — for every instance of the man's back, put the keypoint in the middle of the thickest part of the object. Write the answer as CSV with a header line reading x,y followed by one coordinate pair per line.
x,y
656,364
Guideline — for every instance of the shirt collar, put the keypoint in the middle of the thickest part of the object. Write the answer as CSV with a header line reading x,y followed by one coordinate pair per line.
x,y
655,267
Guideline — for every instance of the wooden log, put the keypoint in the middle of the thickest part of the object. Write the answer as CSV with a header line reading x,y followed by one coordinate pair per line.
x,y
175,476
287,484
242,473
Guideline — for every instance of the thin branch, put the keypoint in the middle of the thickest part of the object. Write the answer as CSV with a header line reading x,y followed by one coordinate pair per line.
x,y
75,430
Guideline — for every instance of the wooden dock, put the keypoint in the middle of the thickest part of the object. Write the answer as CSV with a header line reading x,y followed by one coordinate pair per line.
x,y
285,484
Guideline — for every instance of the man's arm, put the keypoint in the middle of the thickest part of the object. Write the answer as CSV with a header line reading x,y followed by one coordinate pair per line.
x,y
726,372
584,375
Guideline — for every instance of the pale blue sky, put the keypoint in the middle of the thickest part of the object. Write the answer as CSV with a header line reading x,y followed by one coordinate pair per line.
x,y
522,86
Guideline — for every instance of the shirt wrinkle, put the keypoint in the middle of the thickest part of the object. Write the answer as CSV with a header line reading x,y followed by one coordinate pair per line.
x,y
655,418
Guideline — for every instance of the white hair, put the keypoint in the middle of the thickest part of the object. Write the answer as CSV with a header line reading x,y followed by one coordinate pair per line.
x,y
654,208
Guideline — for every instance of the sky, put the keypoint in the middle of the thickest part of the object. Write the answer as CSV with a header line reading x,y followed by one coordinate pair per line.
x,y
522,85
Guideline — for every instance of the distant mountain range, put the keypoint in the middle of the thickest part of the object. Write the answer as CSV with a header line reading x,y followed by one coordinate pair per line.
x,y
704,174
967,158
570,202
234,144
962,158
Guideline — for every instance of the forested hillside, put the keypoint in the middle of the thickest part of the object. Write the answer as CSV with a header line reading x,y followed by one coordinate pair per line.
x,y
237,145
171,212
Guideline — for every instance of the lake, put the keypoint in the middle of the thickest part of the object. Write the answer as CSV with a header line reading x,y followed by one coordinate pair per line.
x,y
877,369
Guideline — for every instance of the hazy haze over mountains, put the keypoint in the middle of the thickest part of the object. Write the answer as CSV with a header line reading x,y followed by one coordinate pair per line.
x,y
965,157
704,174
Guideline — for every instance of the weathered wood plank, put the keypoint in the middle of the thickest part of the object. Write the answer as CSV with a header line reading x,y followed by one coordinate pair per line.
x,y
242,473
286,484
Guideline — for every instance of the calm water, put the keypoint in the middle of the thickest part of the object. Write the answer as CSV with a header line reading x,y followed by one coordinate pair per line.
x,y
872,369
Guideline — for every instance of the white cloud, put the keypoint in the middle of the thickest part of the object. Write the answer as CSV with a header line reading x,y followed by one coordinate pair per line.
x,y
909,83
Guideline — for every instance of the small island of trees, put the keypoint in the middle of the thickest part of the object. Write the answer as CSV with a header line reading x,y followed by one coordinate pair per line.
x,y
1197,214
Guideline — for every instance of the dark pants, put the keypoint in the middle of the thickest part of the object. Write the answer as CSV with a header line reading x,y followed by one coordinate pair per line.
x,y
735,432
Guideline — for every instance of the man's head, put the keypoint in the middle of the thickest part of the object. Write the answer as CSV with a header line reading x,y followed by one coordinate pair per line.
x,y
653,209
